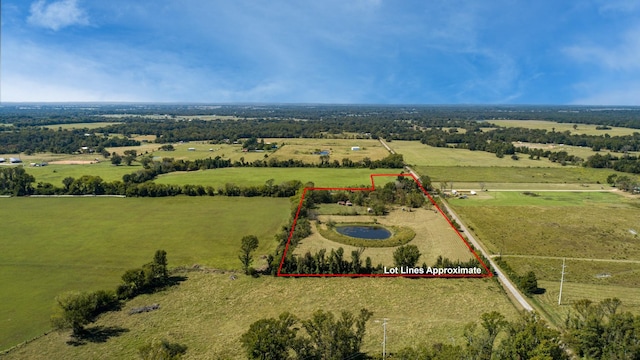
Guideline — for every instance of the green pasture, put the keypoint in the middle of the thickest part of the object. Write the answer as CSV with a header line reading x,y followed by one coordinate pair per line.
x,y
321,177
416,153
558,175
203,150
52,245
209,312
307,149
581,151
74,126
587,225
541,199
562,127
54,174
547,303
498,186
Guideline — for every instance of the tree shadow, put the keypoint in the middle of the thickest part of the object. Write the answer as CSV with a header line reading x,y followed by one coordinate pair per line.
x,y
176,280
539,291
96,334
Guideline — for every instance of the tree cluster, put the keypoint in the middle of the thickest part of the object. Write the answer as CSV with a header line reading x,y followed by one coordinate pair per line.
x,y
323,337
77,309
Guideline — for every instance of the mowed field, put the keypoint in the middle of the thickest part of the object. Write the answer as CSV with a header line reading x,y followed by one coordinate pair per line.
x,y
562,127
434,237
209,312
594,231
307,149
320,177
52,245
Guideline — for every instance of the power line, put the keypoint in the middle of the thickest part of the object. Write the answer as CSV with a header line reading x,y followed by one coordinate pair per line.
x,y
561,282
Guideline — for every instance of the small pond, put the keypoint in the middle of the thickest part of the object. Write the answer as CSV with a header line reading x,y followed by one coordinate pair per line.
x,y
364,232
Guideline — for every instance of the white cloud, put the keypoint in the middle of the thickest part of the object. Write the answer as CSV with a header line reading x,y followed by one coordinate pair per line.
x,y
57,15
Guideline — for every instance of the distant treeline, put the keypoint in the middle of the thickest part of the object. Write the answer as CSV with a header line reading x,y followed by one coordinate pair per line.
x,y
31,140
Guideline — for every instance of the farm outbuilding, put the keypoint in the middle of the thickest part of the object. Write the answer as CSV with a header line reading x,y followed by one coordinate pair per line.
x,y
15,160
2,160
355,148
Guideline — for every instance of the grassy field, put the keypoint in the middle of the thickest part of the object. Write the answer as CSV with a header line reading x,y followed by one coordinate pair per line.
x,y
54,174
588,225
434,237
258,176
562,127
203,150
57,244
581,151
559,175
421,155
209,312
89,126
307,149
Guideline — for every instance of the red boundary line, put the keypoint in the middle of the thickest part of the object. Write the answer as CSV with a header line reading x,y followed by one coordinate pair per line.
x,y
373,185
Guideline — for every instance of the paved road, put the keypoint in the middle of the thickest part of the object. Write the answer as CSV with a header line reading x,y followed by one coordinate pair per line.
x,y
508,285
501,277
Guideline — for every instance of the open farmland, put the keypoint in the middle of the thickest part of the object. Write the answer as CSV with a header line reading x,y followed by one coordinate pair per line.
x,y
209,312
593,230
55,173
321,177
73,126
586,129
48,243
308,150
421,155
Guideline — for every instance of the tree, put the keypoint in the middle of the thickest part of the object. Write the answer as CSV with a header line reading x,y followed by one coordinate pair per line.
x,y
407,255
248,246
77,310
271,339
529,283
331,338
116,159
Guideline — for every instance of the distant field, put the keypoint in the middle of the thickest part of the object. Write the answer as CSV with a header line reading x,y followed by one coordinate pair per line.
x,y
47,243
498,186
258,176
307,149
90,126
562,127
589,225
434,237
54,174
558,175
420,155
209,312
581,151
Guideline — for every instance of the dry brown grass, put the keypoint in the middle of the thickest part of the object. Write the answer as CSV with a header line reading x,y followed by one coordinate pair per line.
x,y
209,312
434,237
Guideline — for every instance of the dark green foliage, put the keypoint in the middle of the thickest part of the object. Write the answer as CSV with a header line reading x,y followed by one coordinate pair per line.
x,y
248,245
162,350
15,181
148,278
530,337
78,309
600,331
324,337
406,255
529,283
271,339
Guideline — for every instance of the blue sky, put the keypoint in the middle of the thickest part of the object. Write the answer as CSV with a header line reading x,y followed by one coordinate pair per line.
x,y
322,51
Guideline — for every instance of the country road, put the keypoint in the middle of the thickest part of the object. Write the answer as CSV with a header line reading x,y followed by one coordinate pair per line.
x,y
508,285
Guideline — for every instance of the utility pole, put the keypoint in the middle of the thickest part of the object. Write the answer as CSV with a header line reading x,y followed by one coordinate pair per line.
x,y
384,338
561,283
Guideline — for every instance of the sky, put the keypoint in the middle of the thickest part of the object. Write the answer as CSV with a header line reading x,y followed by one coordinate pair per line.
x,y
573,52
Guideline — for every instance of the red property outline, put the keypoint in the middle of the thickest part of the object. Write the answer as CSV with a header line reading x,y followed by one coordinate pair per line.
x,y
373,185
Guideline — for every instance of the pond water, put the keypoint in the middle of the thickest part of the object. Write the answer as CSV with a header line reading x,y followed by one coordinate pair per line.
x,y
364,232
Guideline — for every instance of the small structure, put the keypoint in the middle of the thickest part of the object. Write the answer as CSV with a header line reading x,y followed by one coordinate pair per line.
x,y
2,160
13,160
191,149
355,148
342,203
348,203
473,193
370,210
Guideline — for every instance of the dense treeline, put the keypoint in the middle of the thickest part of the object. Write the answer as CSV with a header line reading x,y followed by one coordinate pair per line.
x,y
20,114
32,139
